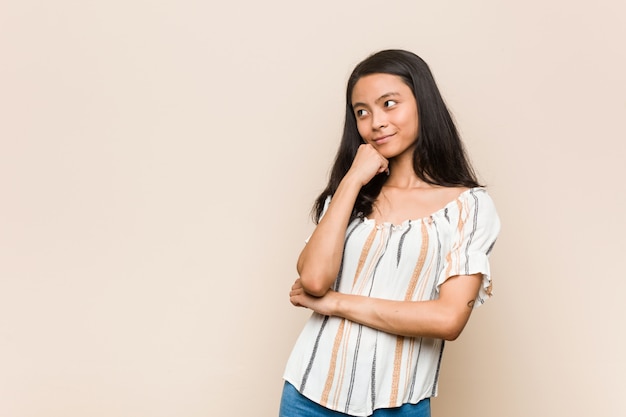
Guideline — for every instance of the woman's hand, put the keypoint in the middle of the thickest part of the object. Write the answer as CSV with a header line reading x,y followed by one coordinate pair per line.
x,y
324,305
367,163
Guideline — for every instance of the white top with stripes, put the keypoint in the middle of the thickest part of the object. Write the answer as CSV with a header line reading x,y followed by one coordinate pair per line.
x,y
355,369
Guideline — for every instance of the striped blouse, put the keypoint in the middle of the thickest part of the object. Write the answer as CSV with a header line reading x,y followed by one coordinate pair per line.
x,y
355,369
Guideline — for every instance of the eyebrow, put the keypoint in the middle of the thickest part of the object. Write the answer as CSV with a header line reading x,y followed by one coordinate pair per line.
x,y
378,100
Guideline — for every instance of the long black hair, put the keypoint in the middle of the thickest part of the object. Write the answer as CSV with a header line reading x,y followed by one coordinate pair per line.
x,y
439,157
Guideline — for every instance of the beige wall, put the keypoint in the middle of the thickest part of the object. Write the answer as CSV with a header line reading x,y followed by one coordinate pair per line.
x,y
158,161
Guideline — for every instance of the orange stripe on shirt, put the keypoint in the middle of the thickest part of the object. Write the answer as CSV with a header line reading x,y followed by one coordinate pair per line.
x,y
344,358
366,248
333,363
393,399
378,252
418,266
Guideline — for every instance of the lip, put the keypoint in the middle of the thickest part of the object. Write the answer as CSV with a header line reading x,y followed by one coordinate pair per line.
x,y
383,139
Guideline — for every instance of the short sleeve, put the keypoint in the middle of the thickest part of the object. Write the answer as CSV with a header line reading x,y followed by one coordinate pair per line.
x,y
326,204
474,237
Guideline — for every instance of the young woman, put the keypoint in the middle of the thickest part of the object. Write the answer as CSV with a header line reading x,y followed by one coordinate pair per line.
x,y
398,259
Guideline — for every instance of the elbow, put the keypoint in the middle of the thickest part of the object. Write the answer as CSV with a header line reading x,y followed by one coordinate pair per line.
x,y
452,328
314,286
316,281
451,335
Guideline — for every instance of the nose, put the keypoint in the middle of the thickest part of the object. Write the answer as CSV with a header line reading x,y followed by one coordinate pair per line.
x,y
379,120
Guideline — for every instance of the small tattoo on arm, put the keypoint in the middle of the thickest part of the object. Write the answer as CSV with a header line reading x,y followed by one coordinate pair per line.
x,y
470,304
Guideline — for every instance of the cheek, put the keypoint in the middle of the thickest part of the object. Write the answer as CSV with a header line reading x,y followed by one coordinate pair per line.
x,y
411,121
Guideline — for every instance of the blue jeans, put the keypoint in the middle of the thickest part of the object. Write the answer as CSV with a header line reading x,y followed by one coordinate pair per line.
x,y
294,404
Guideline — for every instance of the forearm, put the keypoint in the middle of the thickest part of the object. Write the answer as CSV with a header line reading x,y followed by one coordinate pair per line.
x,y
320,260
434,318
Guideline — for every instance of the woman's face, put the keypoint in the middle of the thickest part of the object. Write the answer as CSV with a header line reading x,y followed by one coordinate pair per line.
x,y
386,114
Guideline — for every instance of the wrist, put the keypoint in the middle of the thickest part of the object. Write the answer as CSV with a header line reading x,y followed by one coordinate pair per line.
x,y
351,180
336,305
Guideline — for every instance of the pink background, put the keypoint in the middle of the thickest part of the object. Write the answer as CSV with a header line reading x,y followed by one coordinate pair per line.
x,y
158,161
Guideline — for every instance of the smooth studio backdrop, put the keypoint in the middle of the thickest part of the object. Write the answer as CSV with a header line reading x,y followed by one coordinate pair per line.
x,y
158,161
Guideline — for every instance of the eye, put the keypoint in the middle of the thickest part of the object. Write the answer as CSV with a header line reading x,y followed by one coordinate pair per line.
x,y
390,103
360,113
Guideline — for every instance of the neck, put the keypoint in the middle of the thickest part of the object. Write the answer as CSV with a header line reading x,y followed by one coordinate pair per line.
x,y
402,174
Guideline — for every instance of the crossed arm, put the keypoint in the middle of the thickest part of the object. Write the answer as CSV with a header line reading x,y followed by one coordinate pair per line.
x,y
443,318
